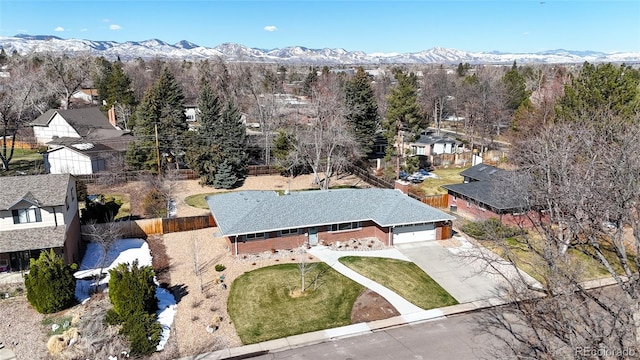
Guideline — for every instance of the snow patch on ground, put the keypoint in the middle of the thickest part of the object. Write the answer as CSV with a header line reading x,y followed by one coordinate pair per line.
x,y
123,251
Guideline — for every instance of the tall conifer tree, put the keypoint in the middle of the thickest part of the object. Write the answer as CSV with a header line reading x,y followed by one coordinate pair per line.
x,y
162,106
362,110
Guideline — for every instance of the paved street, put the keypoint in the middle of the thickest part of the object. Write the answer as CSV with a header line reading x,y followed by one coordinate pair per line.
x,y
450,338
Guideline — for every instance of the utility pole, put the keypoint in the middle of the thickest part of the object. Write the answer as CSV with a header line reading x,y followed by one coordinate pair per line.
x,y
398,149
155,126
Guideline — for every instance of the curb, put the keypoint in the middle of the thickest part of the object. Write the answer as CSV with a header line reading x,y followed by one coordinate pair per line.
x,y
321,336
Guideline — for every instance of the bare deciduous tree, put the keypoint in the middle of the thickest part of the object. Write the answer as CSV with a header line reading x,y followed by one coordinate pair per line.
x,y
326,144
23,96
68,74
582,193
105,235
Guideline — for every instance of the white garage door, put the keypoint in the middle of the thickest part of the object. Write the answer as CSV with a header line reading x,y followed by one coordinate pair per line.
x,y
412,233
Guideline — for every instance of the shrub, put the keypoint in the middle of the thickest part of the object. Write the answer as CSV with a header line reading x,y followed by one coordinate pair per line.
x,y
102,210
155,203
220,267
50,283
132,289
143,332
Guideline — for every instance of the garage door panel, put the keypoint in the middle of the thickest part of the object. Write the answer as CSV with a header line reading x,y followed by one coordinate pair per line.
x,y
414,233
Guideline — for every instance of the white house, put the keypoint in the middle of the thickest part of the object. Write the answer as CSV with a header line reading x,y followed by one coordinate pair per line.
x,y
77,159
73,123
85,96
40,212
80,140
429,144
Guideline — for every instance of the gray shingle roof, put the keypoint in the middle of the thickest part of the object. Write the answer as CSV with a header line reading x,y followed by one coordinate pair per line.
x,y
32,239
491,193
481,172
45,190
433,139
84,120
247,212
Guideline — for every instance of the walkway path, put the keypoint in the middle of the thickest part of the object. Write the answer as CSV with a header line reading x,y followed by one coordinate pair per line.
x,y
331,258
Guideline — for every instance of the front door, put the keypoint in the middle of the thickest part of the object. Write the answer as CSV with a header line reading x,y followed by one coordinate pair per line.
x,y
313,236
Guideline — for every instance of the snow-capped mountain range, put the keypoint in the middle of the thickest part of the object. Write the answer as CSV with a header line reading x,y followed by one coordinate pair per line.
x,y
187,50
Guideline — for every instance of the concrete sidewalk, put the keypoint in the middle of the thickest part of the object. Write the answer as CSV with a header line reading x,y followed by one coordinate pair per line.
x,y
6,354
317,337
331,257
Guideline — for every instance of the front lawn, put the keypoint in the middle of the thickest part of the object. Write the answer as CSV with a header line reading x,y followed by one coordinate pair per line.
x,y
262,306
403,277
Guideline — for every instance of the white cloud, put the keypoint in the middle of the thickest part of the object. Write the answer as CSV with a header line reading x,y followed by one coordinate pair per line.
x,y
115,27
270,28
59,29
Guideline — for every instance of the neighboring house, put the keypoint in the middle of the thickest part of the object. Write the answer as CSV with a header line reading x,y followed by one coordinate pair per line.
x,y
38,212
481,172
429,144
85,97
256,221
77,159
486,193
80,141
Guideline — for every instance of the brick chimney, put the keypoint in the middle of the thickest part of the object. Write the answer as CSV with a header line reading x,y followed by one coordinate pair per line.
x,y
112,116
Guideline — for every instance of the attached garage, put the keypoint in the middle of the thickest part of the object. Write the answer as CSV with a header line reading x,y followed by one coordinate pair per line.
x,y
403,234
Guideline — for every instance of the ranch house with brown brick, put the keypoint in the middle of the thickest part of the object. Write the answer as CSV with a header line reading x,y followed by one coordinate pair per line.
x,y
257,221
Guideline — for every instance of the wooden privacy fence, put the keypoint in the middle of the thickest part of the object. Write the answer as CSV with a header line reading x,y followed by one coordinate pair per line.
x,y
257,170
437,201
156,226
370,178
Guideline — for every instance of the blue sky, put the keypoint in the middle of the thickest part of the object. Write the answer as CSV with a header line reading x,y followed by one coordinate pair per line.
x,y
369,26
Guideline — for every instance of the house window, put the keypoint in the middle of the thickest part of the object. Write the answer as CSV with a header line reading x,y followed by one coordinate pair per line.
x,y
23,216
286,232
454,198
344,226
66,202
254,236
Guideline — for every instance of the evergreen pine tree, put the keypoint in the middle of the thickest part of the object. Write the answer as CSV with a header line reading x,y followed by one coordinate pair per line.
x,y
309,81
232,140
362,110
403,109
119,87
204,152
601,89
162,106
224,177
516,88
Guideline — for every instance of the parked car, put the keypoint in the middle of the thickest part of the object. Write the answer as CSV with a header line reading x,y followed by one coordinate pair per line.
x,y
419,176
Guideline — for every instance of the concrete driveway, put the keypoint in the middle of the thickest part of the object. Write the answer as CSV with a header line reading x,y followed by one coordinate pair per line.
x,y
465,277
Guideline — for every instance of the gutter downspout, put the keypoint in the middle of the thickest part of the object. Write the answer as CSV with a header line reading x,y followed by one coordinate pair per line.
x,y
55,217
391,235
